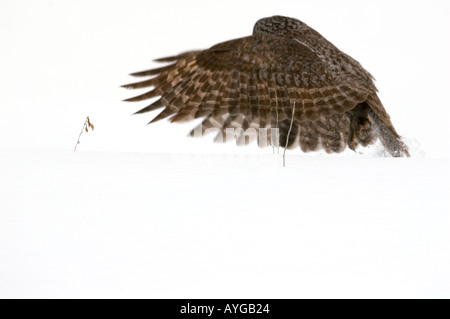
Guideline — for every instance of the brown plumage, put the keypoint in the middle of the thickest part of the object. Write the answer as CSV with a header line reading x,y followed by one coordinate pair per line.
x,y
257,81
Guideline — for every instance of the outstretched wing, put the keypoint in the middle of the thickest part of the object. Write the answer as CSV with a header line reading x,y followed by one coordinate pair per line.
x,y
248,82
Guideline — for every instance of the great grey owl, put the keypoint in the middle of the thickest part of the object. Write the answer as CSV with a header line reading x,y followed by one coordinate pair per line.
x,y
285,76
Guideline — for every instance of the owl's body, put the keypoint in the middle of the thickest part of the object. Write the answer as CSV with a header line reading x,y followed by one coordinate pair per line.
x,y
285,76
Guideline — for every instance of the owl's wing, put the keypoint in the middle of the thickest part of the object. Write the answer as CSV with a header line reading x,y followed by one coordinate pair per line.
x,y
249,82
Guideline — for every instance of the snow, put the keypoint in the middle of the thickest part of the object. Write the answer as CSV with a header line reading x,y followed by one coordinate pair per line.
x,y
98,224
143,211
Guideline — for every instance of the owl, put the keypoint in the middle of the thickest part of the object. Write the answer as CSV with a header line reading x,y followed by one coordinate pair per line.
x,y
284,85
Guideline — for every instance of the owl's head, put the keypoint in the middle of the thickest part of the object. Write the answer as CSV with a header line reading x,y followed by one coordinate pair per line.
x,y
277,25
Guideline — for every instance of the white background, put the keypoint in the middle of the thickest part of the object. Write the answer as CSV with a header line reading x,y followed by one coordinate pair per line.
x,y
129,216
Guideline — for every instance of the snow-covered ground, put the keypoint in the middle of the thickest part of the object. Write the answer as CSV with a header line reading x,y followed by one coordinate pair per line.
x,y
103,224
144,211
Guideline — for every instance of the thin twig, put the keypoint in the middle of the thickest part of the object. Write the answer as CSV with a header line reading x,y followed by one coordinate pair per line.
x,y
288,135
87,124
277,128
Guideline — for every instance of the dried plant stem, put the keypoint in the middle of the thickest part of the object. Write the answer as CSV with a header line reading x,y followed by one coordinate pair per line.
x,y
288,135
278,127
87,124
